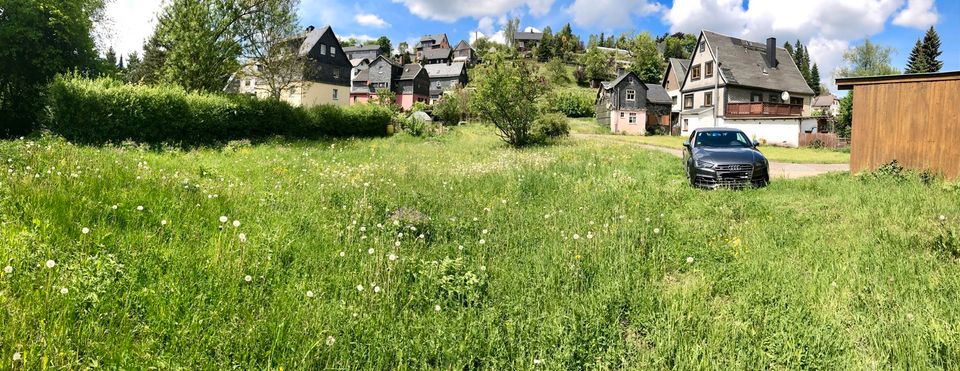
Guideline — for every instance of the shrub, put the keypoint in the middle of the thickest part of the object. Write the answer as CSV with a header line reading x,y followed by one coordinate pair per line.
x,y
505,96
571,104
454,106
106,110
551,126
419,106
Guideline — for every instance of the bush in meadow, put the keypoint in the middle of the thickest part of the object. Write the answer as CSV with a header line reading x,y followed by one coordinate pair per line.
x,y
106,110
571,104
551,126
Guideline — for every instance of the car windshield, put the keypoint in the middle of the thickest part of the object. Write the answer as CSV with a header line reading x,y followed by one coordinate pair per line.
x,y
722,139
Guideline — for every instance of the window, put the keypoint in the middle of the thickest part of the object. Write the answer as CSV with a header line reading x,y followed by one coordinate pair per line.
x,y
722,139
756,97
703,47
633,119
688,101
621,114
631,95
323,49
674,100
708,69
336,94
695,73
333,52
774,98
336,73
796,101
708,99
686,123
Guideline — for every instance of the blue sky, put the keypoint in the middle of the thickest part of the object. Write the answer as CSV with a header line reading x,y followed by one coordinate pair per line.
x,y
827,27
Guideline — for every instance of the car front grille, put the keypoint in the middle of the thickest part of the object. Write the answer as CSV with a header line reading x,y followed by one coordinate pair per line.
x,y
728,176
734,167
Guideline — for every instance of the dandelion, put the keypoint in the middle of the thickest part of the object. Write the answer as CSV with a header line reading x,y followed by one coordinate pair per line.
x,y
397,244
84,230
436,308
242,237
376,289
689,260
943,218
392,257
331,340
537,361
163,222
64,291
370,251
223,219
309,294
51,264
247,278
656,231
359,287
363,229
140,208
460,247
484,231
343,253
483,268
236,223
482,241
17,357
576,236
8,269
400,235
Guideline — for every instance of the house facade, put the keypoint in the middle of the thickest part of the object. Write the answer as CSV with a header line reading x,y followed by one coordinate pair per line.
x,y
826,103
437,56
464,53
428,42
629,106
747,85
525,42
324,78
409,82
444,77
368,52
672,83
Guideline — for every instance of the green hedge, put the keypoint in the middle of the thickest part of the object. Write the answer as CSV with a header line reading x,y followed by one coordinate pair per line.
x,y
105,110
571,104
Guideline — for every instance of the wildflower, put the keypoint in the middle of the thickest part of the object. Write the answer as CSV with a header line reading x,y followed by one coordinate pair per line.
x,y
223,219
400,235
163,222
8,269
397,244
484,231
460,247
436,307
909,316
363,229
689,260
140,208
113,207
331,340
483,268
64,290
242,237
236,223
656,230
370,251
309,294
17,357
589,235
84,230
482,241
943,218
576,236
392,257
51,264
247,278
376,289
537,361
343,253
359,287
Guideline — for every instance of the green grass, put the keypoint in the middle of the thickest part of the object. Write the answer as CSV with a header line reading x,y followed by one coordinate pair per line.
x,y
773,153
575,255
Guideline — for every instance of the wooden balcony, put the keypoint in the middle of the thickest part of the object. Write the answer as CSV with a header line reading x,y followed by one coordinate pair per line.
x,y
763,109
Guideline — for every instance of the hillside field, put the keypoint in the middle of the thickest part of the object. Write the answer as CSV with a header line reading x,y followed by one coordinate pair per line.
x,y
457,252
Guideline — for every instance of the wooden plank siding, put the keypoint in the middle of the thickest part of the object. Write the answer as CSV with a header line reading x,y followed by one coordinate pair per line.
x,y
916,123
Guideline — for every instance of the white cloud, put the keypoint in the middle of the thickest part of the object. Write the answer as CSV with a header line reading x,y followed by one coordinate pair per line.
x,y
610,13
129,24
532,29
452,10
360,38
918,14
371,20
826,27
497,37
485,25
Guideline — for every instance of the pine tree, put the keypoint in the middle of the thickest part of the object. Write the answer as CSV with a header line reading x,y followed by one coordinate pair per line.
x,y
931,50
814,80
786,45
917,62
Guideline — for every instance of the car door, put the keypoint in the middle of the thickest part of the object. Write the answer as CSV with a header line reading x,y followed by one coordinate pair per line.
x,y
688,152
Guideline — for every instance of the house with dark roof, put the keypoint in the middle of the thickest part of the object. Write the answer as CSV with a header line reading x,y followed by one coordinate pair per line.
x,y
437,56
428,42
324,77
826,103
752,86
672,82
463,52
444,77
525,42
630,106
410,82
370,52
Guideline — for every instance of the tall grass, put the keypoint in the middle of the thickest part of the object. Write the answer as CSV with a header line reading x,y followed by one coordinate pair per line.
x,y
580,255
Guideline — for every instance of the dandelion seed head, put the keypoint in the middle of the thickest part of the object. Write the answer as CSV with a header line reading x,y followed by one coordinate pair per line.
x,y
537,361
223,219
140,208
64,291
163,222
242,237
436,308
8,269
689,260
482,241
51,263
114,207
236,223
370,251
397,244
484,231
656,230
359,287
576,236
343,253
17,357
392,257
376,289
943,218
309,294
84,230
331,340
247,278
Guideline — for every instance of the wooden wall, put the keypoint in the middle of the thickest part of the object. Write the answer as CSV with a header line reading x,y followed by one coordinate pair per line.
x,y
916,123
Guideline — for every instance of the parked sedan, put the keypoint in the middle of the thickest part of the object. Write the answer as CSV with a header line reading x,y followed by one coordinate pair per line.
x,y
724,157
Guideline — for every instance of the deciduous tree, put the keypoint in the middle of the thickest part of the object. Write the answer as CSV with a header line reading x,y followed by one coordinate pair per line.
x,y
505,95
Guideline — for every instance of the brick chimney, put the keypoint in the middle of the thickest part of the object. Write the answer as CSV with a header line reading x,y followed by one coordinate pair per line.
x,y
771,52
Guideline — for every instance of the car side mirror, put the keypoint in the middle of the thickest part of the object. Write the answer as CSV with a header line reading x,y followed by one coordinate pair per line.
x,y
756,144
686,144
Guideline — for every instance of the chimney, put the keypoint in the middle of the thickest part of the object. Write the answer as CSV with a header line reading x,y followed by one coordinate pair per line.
x,y
771,51
310,28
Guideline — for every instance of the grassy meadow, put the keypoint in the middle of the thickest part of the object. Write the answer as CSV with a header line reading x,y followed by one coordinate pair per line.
x,y
459,253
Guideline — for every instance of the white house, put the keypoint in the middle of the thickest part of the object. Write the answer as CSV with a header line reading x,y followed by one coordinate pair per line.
x,y
747,85
672,82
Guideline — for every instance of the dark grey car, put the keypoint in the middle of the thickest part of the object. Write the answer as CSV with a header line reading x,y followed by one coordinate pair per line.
x,y
724,157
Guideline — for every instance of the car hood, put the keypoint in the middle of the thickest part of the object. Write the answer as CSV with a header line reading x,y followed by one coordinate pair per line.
x,y
727,155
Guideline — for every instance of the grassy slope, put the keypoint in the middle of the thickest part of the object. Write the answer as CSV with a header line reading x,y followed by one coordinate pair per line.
x,y
830,272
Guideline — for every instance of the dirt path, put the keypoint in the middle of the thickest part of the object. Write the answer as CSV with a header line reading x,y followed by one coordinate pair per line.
x,y
777,169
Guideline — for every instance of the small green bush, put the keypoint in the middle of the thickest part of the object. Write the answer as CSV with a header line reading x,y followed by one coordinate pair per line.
x,y
106,110
570,104
551,126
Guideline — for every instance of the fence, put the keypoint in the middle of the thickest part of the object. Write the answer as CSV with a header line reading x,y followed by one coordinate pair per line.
x,y
824,140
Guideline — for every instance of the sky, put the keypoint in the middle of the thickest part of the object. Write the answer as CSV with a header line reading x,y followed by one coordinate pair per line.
x,y
826,27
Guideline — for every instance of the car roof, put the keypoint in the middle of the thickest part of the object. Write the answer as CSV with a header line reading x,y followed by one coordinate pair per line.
x,y
729,130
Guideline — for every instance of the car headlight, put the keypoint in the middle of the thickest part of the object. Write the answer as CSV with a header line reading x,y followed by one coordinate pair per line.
x,y
703,164
760,162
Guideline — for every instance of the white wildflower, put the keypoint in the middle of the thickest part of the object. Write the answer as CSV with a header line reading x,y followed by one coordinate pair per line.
x,y
397,244
163,222
17,357
242,237
436,307
656,230
392,257
484,231
8,269
537,361
223,219
343,253
236,223
51,264
376,289
359,287
331,340
370,251
84,230
309,294
247,278
482,241
114,207
689,260
943,218
140,208
64,290
576,236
